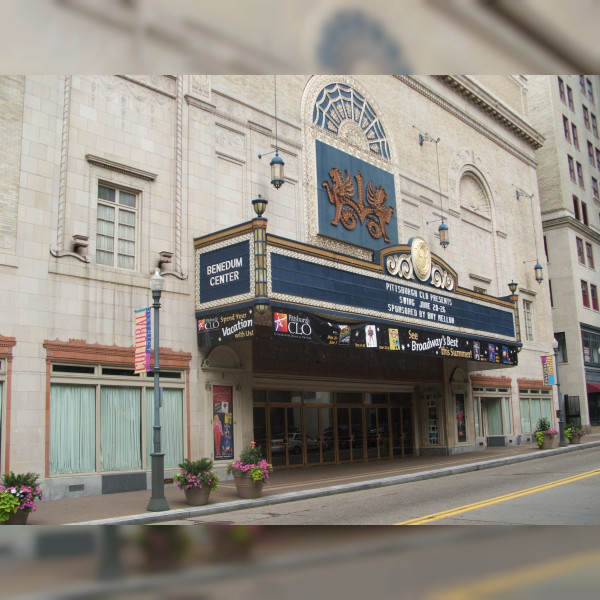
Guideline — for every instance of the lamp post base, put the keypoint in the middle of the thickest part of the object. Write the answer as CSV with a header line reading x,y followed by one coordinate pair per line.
x,y
158,501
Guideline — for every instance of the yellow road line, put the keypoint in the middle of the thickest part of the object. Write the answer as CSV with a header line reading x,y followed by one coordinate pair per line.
x,y
507,582
489,502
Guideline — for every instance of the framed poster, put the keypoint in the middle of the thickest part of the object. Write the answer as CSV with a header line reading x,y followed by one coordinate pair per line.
x,y
461,430
223,421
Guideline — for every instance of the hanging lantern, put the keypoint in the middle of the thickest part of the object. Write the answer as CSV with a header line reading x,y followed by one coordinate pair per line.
x,y
444,234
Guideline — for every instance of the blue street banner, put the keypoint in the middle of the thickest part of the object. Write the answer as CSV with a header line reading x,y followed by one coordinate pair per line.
x,y
143,340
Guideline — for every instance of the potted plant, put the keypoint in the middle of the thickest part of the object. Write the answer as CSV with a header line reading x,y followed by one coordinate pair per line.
x,y
250,472
9,505
545,434
197,480
25,489
574,433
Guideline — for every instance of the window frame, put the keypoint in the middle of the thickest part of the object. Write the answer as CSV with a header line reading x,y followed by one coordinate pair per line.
x,y
575,135
594,296
144,382
566,129
589,252
580,174
590,90
595,191
571,162
561,90
580,252
118,207
570,98
585,294
528,319
586,117
561,351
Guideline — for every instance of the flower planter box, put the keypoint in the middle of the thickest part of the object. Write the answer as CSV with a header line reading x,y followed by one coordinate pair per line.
x,y
550,441
19,518
197,496
246,487
576,439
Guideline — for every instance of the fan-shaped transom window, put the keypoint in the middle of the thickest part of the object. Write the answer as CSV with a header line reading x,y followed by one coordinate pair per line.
x,y
338,103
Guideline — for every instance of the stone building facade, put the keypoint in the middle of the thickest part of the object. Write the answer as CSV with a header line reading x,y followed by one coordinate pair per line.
x,y
565,109
106,178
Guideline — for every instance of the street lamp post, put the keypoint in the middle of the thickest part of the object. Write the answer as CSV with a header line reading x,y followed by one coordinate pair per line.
x,y
561,399
158,501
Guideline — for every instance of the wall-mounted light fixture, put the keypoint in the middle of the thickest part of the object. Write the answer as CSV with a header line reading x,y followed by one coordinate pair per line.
x,y
538,270
259,226
443,228
276,163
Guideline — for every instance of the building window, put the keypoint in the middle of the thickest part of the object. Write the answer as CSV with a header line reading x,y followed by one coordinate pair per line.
x,y
594,295
595,192
590,148
571,167
566,129
597,153
528,319
575,136
570,98
594,125
582,84
113,420
589,251
585,297
550,290
580,174
576,208
584,215
586,116
546,248
591,347
561,90
116,226
580,254
535,404
561,351
590,90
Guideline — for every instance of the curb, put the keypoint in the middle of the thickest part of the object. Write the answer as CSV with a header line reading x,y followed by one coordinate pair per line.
x,y
224,507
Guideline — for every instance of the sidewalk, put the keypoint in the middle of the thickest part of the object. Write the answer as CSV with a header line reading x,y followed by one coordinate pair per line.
x,y
286,485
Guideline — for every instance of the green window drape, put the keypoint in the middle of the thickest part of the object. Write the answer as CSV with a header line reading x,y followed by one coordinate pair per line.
x,y
171,422
120,429
72,429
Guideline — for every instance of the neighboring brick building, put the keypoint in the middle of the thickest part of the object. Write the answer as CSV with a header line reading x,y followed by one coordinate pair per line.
x,y
108,176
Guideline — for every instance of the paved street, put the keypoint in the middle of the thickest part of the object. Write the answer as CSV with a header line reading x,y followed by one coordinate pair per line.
x,y
561,489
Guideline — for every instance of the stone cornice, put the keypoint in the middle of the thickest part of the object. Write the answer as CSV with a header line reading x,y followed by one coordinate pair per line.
x,y
485,102
120,168
6,346
536,384
81,352
489,381
466,118
571,223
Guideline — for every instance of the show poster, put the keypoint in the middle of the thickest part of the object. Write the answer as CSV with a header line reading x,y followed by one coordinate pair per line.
x,y
293,324
461,429
223,421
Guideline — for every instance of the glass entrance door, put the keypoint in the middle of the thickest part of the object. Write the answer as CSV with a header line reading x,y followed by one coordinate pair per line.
x,y
317,420
401,428
286,436
349,433
377,437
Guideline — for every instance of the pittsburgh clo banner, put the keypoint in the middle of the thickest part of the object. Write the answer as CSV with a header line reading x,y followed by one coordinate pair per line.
x,y
143,340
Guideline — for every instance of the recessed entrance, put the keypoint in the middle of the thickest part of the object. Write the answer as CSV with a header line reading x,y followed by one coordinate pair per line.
x,y
314,428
